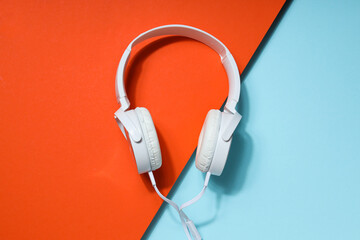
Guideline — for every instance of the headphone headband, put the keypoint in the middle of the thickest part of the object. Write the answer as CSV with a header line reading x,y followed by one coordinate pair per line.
x,y
227,60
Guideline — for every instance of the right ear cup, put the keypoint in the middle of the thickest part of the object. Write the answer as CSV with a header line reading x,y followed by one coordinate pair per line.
x,y
150,137
207,140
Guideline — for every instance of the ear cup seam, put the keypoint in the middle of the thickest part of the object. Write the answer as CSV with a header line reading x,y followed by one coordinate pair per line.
x,y
148,143
154,157
208,140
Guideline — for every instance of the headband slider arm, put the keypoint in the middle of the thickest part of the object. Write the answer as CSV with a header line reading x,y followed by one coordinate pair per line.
x,y
125,103
230,105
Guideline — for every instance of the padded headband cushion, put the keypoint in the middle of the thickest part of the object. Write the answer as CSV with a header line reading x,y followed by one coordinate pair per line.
x,y
150,136
207,140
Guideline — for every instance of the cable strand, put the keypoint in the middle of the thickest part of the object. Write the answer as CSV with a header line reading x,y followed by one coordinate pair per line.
x,y
188,225
173,204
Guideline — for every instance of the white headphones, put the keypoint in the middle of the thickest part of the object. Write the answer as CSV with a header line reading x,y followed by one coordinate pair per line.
x,y
216,133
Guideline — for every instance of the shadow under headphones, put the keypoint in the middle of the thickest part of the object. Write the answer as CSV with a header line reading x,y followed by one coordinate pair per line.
x,y
216,133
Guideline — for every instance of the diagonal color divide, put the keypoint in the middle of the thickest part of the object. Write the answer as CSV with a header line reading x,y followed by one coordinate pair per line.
x,y
67,171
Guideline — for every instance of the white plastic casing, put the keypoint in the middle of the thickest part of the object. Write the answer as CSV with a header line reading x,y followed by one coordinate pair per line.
x,y
223,142
138,148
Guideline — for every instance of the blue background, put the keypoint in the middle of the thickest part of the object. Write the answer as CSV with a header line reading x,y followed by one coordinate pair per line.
x,y
294,167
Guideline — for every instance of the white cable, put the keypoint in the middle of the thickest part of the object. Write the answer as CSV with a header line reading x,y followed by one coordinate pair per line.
x,y
181,214
183,223
187,224
190,225
197,197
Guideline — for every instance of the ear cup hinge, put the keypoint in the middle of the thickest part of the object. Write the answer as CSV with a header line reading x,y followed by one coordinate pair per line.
x,y
128,124
227,134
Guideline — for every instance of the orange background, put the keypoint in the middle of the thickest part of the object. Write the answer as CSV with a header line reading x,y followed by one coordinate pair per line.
x,y
66,170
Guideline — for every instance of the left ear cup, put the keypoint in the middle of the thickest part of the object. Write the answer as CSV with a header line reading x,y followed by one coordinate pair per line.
x,y
207,140
150,137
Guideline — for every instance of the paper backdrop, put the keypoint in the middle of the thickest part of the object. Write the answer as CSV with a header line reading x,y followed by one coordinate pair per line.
x,y
66,170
